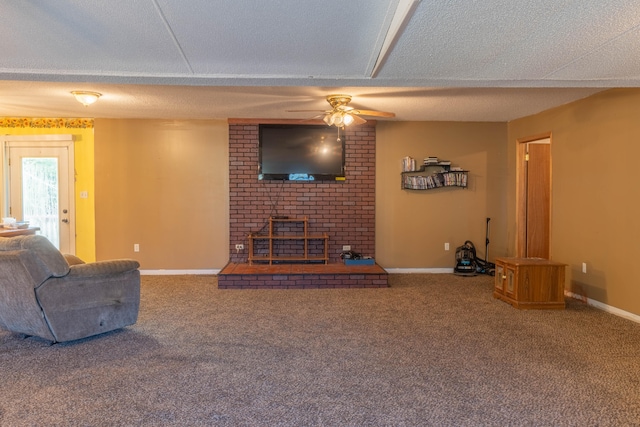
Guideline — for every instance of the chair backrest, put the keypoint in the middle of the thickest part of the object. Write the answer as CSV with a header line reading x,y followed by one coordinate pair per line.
x,y
25,263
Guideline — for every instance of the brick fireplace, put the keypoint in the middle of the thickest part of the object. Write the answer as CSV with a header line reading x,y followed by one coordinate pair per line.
x,y
345,210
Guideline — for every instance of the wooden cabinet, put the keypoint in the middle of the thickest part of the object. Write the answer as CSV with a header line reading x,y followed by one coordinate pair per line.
x,y
292,244
530,282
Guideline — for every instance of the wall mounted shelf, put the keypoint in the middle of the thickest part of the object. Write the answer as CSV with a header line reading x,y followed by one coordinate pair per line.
x,y
433,175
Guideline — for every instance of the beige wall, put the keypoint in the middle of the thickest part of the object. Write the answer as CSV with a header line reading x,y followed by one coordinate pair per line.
x,y
595,205
412,226
163,185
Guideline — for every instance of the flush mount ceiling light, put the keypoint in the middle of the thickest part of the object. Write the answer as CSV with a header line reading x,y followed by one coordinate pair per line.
x,y
86,98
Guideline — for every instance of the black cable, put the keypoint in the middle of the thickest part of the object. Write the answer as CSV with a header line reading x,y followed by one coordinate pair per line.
x,y
274,205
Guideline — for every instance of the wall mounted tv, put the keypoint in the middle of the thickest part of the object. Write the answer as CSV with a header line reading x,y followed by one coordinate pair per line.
x,y
301,153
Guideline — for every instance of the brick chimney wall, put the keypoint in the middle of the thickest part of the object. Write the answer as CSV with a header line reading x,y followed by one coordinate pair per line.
x,y
344,210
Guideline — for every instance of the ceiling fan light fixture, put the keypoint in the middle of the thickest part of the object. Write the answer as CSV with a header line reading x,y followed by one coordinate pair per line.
x,y
342,115
86,98
347,119
338,118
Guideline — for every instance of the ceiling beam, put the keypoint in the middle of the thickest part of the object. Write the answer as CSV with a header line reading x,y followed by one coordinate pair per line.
x,y
401,17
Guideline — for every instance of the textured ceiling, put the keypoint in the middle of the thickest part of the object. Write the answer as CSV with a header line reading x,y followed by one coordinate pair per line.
x,y
492,60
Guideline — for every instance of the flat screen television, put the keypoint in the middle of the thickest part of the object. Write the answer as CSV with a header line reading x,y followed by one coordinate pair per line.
x,y
301,153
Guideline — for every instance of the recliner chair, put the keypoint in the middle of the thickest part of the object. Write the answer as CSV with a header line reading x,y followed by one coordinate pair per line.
x,y
44,294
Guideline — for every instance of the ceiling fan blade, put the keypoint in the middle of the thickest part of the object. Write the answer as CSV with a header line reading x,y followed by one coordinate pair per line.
x,y
305,111
375,113
315,120
357,120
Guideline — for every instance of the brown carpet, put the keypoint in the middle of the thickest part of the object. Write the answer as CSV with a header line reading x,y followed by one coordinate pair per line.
x,y
431,350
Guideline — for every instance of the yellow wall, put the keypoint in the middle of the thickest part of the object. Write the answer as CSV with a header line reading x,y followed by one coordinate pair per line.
x,y
83,152
595,205
163,185
413,226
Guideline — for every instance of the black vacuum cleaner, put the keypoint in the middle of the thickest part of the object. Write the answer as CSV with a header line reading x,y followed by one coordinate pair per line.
x,y
467,261
466,264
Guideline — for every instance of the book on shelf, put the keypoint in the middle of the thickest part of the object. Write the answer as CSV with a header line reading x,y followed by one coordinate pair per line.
x,y
408,164
437,180
431,160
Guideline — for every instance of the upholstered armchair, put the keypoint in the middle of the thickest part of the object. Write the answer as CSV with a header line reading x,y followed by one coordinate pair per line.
x,y
44,294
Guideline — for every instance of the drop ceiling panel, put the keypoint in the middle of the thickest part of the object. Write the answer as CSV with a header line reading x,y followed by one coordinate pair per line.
x,y
617,60
505,42
74,36
279,39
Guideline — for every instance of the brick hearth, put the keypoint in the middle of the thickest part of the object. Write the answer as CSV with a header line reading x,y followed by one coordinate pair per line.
x,y
301,276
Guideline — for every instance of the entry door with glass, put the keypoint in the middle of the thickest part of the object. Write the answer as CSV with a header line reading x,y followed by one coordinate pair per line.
x,y
41,191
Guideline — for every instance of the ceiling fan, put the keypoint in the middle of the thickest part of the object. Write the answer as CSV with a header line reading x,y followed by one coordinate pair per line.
x,y
342,115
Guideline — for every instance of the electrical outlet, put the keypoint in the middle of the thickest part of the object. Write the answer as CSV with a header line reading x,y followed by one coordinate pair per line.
x,y
584,267
239,247
446,246
136,247
346,247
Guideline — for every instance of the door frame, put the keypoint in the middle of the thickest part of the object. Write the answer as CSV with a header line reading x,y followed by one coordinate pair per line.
x,y
23,141
521,193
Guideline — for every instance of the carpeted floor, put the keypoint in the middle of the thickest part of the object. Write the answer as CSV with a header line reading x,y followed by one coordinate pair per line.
x,y
431,350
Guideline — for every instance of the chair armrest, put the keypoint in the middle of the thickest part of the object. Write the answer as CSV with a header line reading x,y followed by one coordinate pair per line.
x,y
103,268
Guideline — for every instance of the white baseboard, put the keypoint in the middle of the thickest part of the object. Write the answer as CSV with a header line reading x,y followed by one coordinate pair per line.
x,y
418,270
604,307
177,272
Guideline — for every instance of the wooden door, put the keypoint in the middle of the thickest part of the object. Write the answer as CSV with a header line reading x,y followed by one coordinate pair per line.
x,y
534,199
538,199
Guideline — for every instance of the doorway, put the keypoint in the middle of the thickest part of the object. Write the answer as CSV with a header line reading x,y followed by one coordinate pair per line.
x,y
40,181
534,198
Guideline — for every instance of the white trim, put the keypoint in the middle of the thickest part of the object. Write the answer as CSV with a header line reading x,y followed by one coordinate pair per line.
x,y
43,141
29,140
177,272
418,270
604,307
20,141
